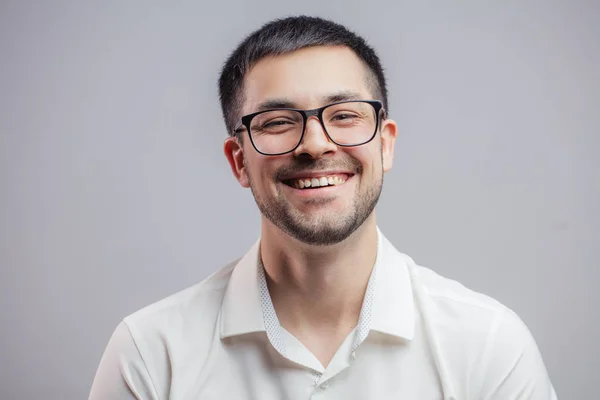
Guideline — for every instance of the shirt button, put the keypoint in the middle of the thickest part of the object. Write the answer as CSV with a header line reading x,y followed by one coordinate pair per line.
x,y
353,355
324,385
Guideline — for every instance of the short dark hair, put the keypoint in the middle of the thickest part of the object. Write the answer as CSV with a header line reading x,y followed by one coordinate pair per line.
x,y
286,35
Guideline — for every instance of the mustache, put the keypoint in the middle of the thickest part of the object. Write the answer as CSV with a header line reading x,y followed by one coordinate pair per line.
x,y
308,165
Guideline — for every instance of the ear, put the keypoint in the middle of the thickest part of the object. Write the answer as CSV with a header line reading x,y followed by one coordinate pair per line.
x,y
389,132
235,155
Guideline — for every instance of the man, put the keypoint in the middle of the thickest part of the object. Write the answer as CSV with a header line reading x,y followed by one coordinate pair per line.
x,y
322,306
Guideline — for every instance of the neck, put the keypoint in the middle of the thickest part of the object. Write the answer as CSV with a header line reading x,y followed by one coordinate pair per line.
x,y
318,288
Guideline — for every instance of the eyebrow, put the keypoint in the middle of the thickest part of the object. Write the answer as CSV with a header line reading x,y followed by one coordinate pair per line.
x,y
286,103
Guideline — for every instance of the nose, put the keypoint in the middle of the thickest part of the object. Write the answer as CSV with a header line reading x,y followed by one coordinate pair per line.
x,y
315,142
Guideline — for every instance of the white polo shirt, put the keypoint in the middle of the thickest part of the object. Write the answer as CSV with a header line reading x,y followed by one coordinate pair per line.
x,y
420,336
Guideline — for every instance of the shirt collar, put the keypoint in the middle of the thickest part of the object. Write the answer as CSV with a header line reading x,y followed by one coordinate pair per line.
x,y
392,310
241,310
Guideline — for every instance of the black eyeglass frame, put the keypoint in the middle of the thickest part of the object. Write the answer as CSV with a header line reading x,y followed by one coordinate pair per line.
x,y
247,119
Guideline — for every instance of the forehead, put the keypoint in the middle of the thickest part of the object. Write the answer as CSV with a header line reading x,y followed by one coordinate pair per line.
x,y
305,77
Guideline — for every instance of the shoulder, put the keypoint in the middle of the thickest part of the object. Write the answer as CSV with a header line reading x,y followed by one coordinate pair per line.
x,y
148,344
193,308
445,296
452,310
455,313
479,340
444,290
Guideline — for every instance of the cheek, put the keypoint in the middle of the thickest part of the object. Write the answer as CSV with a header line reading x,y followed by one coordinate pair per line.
x,y
260,173
369,158
255,173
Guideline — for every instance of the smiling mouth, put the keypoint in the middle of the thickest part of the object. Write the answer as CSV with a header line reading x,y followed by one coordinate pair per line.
x,y
317,181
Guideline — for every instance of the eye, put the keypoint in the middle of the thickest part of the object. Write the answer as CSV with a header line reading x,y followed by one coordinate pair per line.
x,y
276,123
344,116
276,126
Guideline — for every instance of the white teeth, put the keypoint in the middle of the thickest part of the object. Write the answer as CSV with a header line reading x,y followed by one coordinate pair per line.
x,y
318,182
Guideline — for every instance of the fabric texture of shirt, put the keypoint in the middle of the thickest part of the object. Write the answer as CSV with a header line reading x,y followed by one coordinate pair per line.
x,y
420,336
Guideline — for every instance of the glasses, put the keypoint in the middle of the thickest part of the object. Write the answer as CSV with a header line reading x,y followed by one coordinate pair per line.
x,y
280,131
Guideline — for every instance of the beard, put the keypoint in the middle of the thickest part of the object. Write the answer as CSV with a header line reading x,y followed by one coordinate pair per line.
x,y
322,229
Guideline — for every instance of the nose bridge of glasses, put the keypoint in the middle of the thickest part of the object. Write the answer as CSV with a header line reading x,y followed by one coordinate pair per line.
x,y
314,120
314,138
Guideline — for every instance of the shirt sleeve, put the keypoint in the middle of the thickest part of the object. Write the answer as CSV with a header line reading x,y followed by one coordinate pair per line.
x,y
515,369
122,373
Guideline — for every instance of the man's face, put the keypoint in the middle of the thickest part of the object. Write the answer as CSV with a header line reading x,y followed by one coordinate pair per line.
x,y
307,79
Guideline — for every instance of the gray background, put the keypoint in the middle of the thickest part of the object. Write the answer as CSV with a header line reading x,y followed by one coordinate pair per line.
x,y
115,192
